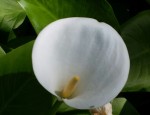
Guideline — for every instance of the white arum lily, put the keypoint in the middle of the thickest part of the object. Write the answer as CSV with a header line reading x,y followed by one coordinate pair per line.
x,y
82,61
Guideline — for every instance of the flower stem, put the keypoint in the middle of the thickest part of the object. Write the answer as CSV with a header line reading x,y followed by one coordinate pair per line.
x,y
55,107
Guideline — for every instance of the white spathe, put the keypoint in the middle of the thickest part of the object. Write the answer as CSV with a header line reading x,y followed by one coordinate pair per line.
x,y
87,48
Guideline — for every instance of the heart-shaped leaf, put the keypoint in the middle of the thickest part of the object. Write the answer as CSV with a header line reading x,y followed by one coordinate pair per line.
x,y
136,33
43,12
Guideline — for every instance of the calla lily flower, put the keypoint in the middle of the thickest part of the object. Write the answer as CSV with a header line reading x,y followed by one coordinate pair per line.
x,y
81,61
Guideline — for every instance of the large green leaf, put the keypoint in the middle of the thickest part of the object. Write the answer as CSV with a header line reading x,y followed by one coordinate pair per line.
x,y
11,14
136,33
20,93
43,12
122,107
18,60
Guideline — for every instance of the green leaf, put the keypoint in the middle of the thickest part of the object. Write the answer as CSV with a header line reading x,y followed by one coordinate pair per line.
x,y
66,110
121,106
136,34
2,52
21,94
43,12
11,14
18,60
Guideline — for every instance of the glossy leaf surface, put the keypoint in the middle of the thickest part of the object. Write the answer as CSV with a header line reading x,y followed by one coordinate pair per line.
x,y
136,34
43,12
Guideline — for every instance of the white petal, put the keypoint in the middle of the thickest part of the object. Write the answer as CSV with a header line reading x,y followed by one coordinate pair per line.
x,y
87,48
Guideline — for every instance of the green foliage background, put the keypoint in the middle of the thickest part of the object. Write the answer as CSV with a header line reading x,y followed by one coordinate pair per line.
x,y
20,23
